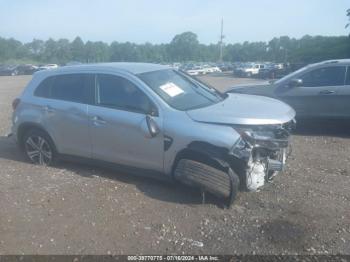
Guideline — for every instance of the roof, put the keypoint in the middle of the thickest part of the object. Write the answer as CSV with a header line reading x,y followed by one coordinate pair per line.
x,y
334,61
133,68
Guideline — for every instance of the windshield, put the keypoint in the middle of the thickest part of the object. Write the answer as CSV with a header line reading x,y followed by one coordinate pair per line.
x,y
179,90
291,75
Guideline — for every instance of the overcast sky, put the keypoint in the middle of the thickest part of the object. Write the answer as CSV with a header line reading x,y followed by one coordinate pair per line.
x,y
157,21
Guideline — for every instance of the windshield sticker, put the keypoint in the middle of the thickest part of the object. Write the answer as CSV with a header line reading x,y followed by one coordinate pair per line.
x,y
171,89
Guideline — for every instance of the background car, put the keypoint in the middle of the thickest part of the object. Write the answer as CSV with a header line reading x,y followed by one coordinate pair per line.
x,y
225,66
27,69
319,90
8,70
195,70
48,66
248,69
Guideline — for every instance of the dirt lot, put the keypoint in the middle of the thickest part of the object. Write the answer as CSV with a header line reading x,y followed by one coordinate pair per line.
x,y
74,209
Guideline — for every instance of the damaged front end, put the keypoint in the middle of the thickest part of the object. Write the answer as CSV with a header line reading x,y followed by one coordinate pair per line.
x,y
262,152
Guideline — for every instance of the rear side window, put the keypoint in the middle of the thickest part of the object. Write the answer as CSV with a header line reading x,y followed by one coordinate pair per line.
x,y
118,92
44,88
71,87
68,88
326,76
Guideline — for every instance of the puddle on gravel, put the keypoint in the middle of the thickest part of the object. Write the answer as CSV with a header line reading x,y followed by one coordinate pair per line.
x,y
283,233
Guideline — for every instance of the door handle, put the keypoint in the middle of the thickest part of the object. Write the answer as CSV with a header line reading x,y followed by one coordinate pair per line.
x,y
327,92
99,120
49,109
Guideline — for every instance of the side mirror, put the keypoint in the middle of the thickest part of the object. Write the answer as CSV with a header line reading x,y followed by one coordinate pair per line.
x,y
295,82
153,111
152,126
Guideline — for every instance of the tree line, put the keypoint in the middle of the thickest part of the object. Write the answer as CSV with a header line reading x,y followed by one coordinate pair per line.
x,y
184,47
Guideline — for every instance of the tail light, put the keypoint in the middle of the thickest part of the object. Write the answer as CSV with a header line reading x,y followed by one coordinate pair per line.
x,y
15,103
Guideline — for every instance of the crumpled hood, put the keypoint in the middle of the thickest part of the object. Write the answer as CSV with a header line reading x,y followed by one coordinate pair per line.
x,y
239,109
260,90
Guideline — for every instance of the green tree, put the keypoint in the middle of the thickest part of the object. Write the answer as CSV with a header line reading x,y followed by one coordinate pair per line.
x,y
11,49
56,51
77,49
184,47
35,49
96,52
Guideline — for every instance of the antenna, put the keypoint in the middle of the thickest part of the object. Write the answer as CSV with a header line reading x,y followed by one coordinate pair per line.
x,y
221,42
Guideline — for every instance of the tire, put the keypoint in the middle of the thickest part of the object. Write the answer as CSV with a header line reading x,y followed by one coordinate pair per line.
x,y
39,148
217,182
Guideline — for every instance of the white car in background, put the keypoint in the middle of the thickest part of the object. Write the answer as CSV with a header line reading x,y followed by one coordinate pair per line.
x,y
211,69
176,65
249,70
48,66
196,70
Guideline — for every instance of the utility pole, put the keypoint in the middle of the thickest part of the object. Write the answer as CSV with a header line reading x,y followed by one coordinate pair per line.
x,y
221,42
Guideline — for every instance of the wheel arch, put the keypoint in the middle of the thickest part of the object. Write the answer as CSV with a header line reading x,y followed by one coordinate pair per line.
x,y
23,128
206,153
213,156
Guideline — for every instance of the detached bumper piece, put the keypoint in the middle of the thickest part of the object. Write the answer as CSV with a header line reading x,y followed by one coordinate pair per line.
x,y
223,185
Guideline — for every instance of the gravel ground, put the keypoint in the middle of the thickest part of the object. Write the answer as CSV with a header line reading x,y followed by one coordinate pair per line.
x,y
77,209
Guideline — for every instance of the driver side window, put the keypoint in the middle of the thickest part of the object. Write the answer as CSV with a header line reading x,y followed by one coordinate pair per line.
x,y
119,93
325,76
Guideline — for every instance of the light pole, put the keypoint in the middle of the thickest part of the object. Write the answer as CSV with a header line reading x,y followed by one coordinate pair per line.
x,y
221,40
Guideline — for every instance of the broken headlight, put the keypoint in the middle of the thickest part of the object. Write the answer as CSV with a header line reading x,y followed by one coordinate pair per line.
x,y
270,138
250,135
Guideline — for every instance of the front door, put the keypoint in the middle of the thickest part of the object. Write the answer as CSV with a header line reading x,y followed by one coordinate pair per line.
x,y
317,96
119,128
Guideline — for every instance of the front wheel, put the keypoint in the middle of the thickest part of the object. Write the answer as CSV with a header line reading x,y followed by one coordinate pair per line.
x,y
38,148
219,183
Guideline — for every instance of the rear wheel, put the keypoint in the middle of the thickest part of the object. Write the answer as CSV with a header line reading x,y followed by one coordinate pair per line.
x,y
38,148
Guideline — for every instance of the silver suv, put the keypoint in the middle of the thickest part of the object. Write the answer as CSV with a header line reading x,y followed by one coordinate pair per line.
x,y
154,120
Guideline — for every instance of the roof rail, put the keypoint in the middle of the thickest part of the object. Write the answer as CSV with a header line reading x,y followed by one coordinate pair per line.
x,y
331,62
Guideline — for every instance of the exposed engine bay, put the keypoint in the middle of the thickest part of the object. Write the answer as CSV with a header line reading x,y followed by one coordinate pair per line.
x,y
264,150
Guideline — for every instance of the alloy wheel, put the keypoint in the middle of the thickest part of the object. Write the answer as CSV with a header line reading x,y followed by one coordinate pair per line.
x,y
38,150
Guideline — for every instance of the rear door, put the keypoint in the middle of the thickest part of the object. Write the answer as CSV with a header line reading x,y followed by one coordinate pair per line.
x,y
64,111
317,97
